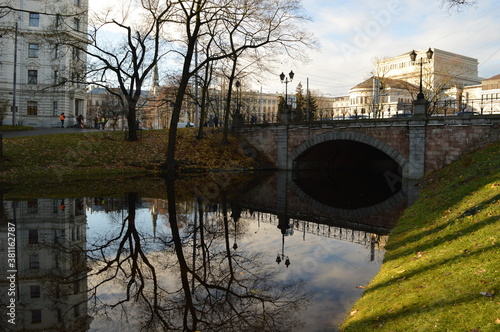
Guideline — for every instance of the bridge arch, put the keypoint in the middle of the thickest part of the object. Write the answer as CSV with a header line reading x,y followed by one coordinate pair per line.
x,y
394,154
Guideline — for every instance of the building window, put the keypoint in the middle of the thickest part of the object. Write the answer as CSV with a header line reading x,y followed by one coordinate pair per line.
x,y
78,106
57,51
76,311
33,204
76,53
33,50
32,76
76,3
76,287
34,261
32,108
35,291
36,316
33,236
76,24
58,20
55,111
34,19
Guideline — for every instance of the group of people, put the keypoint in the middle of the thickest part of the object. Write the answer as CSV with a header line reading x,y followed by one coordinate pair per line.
x,y
79,120
213,121
99,122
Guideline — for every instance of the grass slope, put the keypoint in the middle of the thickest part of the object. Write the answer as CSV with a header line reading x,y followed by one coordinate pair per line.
x,y
442,265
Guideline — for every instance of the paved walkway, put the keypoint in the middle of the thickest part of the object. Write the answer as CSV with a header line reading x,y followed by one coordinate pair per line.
x,y
44,131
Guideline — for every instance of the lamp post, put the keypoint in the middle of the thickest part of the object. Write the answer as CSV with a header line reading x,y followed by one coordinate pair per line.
x,y
237,117
283,226
413,57
286,80
238,96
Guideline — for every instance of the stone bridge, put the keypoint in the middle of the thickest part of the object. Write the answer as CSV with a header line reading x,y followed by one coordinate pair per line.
x,y
414,145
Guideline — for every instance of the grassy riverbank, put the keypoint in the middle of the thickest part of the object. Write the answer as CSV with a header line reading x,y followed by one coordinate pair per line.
x,y
5,128
441,271
96,154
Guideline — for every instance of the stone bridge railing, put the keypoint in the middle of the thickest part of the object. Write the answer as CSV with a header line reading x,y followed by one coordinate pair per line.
x,y
417,144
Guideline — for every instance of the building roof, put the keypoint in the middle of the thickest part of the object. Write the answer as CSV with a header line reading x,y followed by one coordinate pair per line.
x,y
494,78
388,83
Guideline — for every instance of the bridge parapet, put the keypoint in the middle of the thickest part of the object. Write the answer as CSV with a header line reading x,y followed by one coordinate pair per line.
x,y
418,145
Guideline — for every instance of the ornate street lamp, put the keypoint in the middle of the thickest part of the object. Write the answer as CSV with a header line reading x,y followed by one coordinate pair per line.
x,y
283,226
286,80
413,57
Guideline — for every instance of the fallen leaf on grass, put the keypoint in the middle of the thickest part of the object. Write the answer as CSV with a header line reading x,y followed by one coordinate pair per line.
x,y
487,294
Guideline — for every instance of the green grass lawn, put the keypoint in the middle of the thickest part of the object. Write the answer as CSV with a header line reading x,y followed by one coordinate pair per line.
x,y
42,158
15,128
442,265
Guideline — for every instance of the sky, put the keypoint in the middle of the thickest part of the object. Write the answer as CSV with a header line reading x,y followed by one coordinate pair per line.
x,y
352,34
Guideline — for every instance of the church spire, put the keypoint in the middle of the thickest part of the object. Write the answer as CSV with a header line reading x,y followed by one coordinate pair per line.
x,y
155,81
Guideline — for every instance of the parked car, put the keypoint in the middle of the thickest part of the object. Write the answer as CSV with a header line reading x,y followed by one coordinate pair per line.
x,y
185,124
402,115
357,117
466,113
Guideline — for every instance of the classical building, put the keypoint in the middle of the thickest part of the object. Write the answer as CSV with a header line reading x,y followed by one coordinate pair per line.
x,y
41,70
51,292
450,82
444,70
376,96
263,107
484,98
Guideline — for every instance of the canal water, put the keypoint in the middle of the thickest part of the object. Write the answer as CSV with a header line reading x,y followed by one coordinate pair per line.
x,y
231,253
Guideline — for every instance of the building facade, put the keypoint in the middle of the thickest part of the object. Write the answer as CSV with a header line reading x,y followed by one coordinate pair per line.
x,y
51,290
450,83
42,62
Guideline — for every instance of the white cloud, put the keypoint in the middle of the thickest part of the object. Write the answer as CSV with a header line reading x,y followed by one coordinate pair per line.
x,y
352,33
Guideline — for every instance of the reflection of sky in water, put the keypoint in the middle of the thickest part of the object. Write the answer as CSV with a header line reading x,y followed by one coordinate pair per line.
x,y
331,268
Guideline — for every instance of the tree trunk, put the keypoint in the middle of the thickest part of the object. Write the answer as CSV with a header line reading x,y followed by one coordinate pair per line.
x,y
225,132
204,98
131,121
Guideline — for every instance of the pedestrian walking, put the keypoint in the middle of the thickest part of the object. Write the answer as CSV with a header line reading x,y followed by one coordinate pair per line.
x,y
96,123
62,118
103,122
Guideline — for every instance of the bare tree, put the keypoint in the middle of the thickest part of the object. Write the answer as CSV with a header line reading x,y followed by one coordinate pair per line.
x,y
192,279
233,28
457,5
128,63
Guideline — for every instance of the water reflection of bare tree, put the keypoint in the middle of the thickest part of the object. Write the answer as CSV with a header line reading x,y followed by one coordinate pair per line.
x,y
196,281
122,259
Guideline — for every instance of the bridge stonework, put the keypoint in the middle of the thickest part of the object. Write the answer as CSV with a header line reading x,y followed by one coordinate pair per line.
x,y
418,145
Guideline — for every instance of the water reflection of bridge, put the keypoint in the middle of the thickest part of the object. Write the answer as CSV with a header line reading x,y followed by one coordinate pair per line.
x,y
376,237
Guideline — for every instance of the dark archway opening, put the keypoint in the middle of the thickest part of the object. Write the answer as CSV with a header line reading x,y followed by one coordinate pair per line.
x,y
347,174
